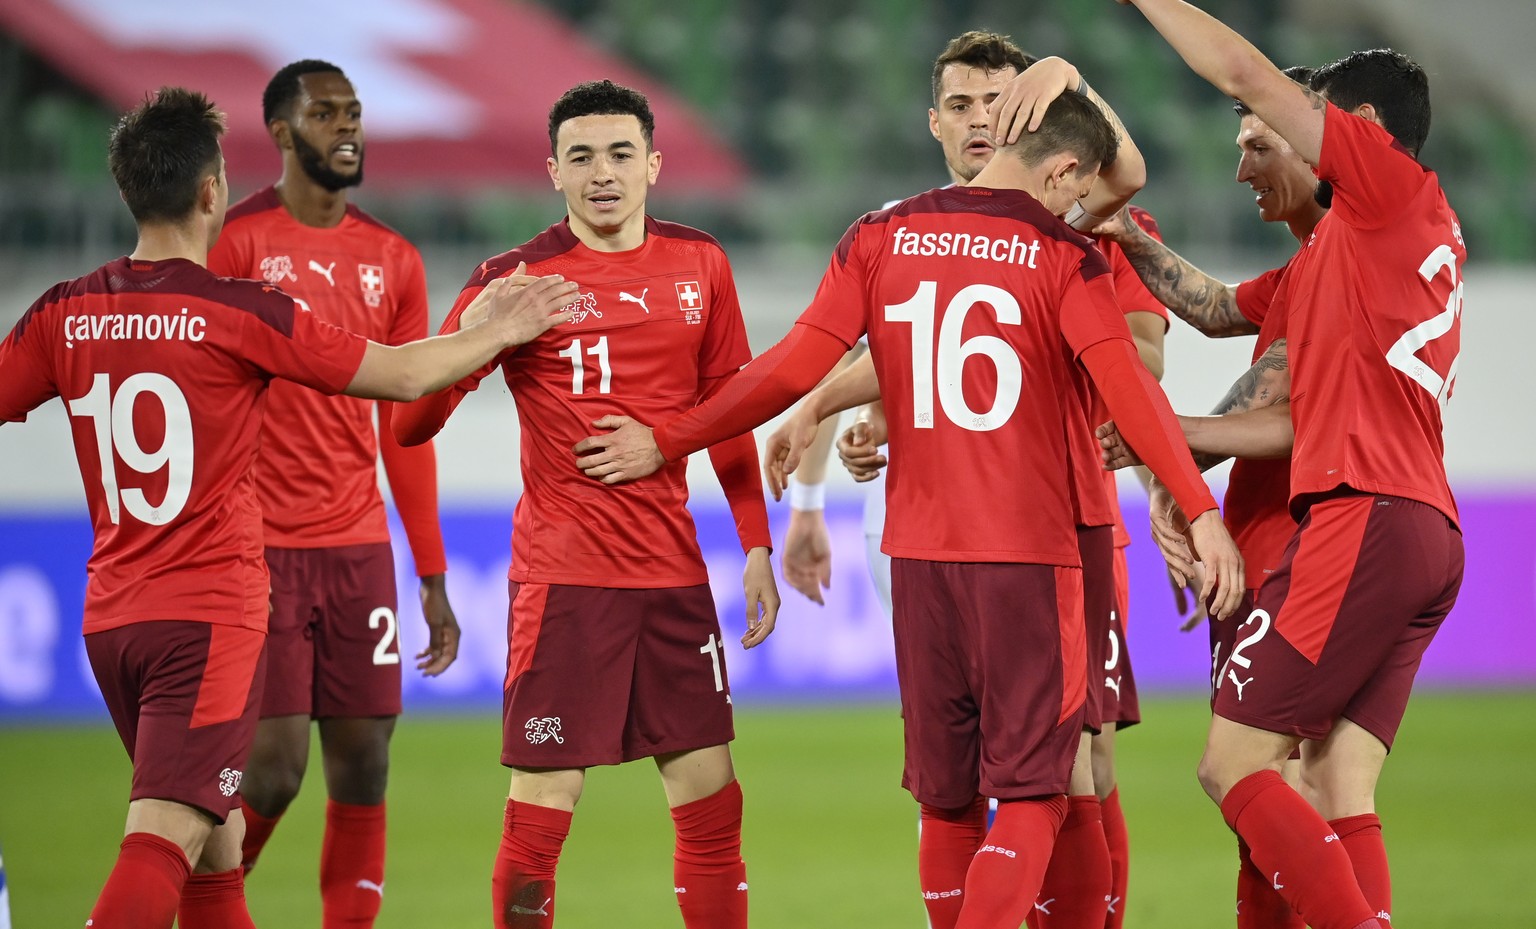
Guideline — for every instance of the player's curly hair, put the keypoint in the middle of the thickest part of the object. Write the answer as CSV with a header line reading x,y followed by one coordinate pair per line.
x,y
1388,80
989,51
601,98
284,88
161,150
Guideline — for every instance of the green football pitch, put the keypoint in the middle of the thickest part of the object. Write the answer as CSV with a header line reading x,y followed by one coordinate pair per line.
x,y
830,837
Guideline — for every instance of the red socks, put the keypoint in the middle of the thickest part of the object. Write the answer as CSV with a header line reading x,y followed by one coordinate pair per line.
x,y
523,883
707,871
1306,861
214,901
1075,892
1361,836
258,829
1119,842
1259,904
351,865
1005,877
946,843
145,885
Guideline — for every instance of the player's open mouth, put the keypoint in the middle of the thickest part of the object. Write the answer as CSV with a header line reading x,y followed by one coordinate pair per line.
x,y
978,147
603,200
1259,193
348,151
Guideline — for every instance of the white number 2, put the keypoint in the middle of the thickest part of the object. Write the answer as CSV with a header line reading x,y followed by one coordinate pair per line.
x,y
578,369
712,649
381,653
113,422
953,353
1403,355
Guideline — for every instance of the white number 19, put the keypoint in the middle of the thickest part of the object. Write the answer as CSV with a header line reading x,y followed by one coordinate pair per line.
x,y
113,422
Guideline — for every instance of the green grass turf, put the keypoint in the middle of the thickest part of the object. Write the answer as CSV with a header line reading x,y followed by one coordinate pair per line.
x,y
830,836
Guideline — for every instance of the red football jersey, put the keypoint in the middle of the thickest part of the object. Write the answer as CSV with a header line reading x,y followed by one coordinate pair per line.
x,y
163,368
991,278
1257,505
1133,297
653,326
317,474
1374,327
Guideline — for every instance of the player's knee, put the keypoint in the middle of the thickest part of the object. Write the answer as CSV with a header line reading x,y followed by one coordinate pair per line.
x,y
1213,776
269,787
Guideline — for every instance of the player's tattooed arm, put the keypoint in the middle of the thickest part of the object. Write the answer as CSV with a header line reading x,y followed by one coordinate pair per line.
x,y
1189,293
1251,421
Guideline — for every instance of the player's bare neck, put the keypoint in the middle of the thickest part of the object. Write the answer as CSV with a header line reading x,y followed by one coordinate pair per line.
x,y
311,204
1009,174
623,238
162,242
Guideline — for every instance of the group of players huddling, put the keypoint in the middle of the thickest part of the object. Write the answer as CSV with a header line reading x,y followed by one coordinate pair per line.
x,y
242,583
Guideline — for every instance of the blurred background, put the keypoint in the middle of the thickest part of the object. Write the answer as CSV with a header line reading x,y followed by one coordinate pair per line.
x,y
780,122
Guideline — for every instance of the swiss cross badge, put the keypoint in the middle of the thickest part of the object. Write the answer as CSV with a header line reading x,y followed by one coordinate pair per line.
x,y
690,300
372,279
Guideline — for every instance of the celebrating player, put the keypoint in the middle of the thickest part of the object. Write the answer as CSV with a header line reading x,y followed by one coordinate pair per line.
x,y
1089,873
1373,331
164,368
614,647
332,641
987,585
1256,509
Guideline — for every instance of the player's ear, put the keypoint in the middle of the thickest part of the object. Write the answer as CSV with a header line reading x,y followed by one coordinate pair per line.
x,y
1066,166
1367,111
554,172
653,166
281,133
933,124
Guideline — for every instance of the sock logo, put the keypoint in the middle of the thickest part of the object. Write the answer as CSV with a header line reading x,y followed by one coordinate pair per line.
x,y
1330,837
1383,914
742,886
543,909
999,850
679,890
942,894
1112,901
366,884
1045,907
1276,881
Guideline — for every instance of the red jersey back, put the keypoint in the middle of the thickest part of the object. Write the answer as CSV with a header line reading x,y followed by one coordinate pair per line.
x,y
652,325
1257,505
977,303
317,475
1374,302
163,368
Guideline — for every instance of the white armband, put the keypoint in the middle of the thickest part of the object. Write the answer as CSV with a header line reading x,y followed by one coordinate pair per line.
x,y
1082,220
805,497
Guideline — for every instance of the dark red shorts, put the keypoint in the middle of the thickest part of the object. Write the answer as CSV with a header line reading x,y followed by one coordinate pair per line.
x,y
990,658
1096,546
1121,705
600,675
184,697
1342,624
1223,635
333,641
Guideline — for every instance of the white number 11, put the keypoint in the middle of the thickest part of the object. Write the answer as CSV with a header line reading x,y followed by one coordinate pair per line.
x,y
578,370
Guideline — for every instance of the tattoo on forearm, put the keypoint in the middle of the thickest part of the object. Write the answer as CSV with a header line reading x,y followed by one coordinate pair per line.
x,y
1192,295
1266,383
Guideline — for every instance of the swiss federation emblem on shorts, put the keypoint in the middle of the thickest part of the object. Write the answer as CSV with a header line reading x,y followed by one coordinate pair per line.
x,y
541,729
372,279
277,268
229,781
690,300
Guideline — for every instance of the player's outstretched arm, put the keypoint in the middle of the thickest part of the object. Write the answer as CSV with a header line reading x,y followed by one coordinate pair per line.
x,y
516,315
1021,106
854,384
1129,391
1189,293
757,393
1231,63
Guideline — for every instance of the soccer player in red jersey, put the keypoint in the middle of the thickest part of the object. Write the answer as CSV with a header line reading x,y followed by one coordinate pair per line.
x,y
164,368
1373,332
1087,881
333,645
614,648
1256,509
987,584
